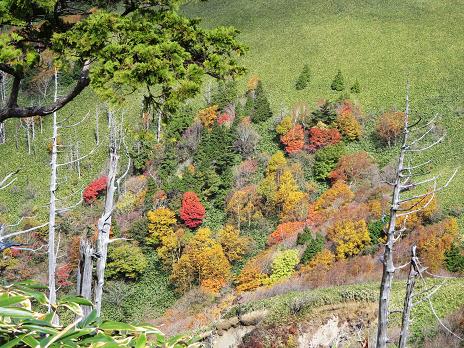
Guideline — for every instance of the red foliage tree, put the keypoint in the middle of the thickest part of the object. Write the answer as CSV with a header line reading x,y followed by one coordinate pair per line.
x,y
192,211
293,139
95,189
353,168
224,118
318,138
63,275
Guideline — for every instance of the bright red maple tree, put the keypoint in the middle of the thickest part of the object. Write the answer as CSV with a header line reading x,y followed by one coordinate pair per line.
x,y
95,189
192,211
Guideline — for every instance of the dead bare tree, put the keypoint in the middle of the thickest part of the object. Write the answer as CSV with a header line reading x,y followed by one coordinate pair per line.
x,y
402,207
88,252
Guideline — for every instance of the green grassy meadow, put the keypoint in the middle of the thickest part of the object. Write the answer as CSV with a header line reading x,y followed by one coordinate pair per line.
x,y
382,44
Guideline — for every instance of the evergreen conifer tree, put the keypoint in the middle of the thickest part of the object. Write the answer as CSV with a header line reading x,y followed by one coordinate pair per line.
x,y
338,83
262,109
356,88
303,80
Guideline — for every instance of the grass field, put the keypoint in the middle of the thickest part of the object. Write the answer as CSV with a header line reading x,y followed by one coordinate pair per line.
x,y
382,44
379,43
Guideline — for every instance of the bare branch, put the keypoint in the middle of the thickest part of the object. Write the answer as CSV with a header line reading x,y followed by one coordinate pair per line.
x,y
78,159
4,183
428,146
77,123
14,234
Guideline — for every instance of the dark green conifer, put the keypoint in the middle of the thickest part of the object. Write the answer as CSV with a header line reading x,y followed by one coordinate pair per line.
x,y
303,80
338,83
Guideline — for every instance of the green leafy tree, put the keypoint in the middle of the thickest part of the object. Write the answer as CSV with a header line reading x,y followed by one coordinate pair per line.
x,y
225,94
284,265
303,80
338,83
118,47
126,260
326,160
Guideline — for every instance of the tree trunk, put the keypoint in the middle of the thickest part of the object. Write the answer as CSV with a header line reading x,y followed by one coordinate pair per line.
x,y
52,211
407,307
104,223
2,133
85,272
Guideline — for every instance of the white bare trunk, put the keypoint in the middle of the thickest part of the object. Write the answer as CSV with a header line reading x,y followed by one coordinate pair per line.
x,y
2,133
104,223
84,281
407,307
52,207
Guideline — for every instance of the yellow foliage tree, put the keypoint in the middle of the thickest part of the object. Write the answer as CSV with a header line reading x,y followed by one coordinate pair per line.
x,y
203,262
233,244
285,125
336,196
251,277
349,126
323,259
208,116
276,163
243,205
160,224
350,237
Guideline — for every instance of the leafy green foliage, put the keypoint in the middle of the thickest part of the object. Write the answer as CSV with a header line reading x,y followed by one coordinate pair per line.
x,y
125,260
303,80
148,297
24,322
224,94
283,265
326,160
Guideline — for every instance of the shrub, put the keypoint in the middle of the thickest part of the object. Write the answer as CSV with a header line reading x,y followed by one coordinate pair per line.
x,y
125,260
376,231
338,83
283,265
304,78
284,231
95,189
326,159
285,125
325,113
192,211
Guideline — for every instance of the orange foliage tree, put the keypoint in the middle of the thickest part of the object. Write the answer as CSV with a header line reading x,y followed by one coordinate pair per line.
x,y
208,116
349,125
435,240
294,139
284,231
353,168
390,126
319,138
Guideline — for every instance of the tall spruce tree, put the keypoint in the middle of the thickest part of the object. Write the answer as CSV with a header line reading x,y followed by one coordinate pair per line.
x,y
262,109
